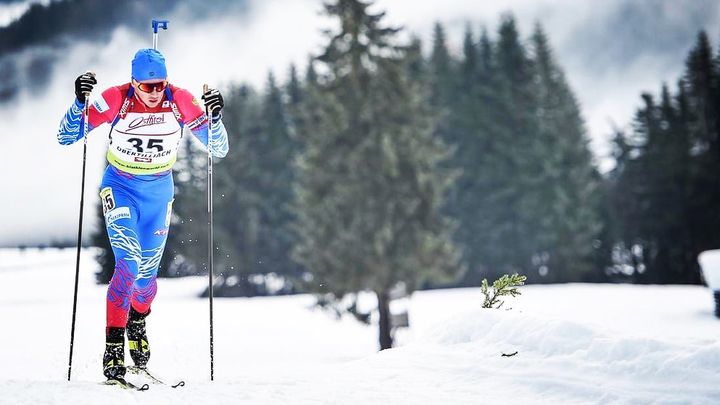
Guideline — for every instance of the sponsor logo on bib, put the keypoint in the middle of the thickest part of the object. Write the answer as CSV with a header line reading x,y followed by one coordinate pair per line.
x,y
142,121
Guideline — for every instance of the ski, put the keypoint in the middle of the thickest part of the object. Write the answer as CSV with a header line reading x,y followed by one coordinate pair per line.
x,y
123,383
154,377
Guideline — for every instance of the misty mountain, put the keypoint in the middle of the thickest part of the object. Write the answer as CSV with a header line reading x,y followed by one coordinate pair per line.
x,y
611,36
46,30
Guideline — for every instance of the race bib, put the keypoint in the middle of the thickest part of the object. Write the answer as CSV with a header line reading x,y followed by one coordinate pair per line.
x,y
144,143
108,200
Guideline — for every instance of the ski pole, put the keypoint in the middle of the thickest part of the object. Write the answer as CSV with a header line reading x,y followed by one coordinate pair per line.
x,y
157,24
210,232
86,109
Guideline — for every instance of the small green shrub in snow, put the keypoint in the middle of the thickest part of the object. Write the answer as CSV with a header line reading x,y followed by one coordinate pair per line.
x,y
504,286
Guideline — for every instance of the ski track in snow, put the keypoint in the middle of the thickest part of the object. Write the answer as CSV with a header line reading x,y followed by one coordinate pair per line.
x,y
576,344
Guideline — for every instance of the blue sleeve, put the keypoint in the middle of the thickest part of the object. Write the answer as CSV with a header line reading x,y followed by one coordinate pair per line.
x,y
219,146
70,130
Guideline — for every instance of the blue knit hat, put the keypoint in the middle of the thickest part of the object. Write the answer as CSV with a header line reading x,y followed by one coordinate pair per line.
x,y
148,64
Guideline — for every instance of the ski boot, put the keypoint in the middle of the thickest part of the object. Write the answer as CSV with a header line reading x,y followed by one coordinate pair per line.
x,y
137,338
114,357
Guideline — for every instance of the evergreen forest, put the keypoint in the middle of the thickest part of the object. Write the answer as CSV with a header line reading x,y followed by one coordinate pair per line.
x,y
396,166
389,165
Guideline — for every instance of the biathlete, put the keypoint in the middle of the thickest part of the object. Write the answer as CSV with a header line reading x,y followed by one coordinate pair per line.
x,y
147,117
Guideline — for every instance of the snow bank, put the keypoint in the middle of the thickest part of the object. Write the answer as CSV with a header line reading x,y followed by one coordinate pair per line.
x,y
555,356
710,263
576,344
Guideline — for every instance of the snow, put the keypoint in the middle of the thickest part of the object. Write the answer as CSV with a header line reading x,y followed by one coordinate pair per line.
x,y
576,344
710,262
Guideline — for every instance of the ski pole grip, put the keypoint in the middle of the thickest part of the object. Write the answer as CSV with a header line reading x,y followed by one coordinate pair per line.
x,y
205,90
91,74
157,24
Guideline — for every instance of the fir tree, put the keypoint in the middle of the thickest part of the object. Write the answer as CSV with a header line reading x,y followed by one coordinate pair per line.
x,y
239,194
664,190
276,163
565,187
370,191
294,87
442,70
469,131
652,192
702,92
668,151
417,68
508,246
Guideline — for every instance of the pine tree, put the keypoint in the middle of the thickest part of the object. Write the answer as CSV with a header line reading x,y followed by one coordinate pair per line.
x,y
470,65
417,68
565,186
238,193
528,197
254,190
470,132
370,190
668,152
482,202
277,155
702,92
692,242
294,87
664,190
442,70
702,79
486,64
625,197
508,246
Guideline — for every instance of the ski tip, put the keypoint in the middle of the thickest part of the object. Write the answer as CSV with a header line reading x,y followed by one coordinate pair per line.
x,y
143,371
115,381
122,383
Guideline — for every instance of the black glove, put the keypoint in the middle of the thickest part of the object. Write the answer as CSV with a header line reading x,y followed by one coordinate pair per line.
x,y
213,102
83,85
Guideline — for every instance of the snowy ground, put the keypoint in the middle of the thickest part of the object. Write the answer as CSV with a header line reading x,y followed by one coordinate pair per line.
x,y
577,344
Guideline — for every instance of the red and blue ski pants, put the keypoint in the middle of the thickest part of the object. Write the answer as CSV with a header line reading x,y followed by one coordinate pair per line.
x,y
137,210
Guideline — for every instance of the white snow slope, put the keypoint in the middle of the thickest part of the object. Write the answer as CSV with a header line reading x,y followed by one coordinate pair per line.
x,y
576,344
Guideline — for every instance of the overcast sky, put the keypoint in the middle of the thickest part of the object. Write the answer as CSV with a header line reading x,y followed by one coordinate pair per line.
x,y
611,52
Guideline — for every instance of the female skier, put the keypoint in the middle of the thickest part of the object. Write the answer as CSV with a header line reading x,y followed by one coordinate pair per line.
x,y
147,116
